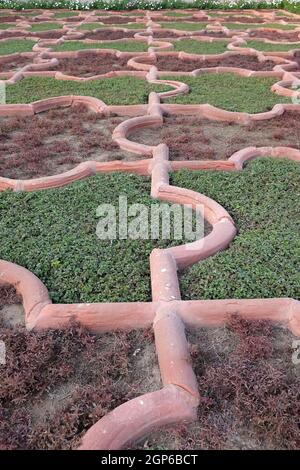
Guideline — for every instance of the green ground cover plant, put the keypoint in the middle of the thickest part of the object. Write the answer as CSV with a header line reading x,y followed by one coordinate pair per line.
x,y
124,46
183,26
46,232
270,47
241,26
117,90
262,260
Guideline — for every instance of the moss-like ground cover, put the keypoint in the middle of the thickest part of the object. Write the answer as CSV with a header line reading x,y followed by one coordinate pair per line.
x,y
263,259
117,90
230,91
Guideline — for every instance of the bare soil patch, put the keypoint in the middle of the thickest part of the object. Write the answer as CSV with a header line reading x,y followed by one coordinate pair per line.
x,y
90,63
249,391
13,64
55,141
56,384
108,34
195,138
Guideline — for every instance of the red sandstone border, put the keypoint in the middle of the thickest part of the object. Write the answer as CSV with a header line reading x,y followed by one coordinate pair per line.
x,y
179,397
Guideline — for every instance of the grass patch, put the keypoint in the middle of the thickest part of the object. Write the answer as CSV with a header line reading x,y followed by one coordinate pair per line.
x,y
124,46
230,92
56,239
184,26
241,26
262,261
193,46
117,90
91,26
45,27
16,45
269,47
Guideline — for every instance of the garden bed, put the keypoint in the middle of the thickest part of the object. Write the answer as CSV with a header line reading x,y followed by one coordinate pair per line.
x,y
37,145
74,264
235,412
16,45
272,47
116,20
242,19
171,63
14,63
11,308
108,34
262,199
119,90
230,92
56,384
274,35
195,138
194,46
